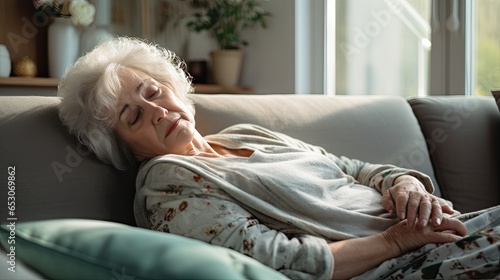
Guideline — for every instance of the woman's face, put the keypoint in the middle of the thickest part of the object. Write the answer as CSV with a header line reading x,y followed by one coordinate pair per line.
x,y
152,121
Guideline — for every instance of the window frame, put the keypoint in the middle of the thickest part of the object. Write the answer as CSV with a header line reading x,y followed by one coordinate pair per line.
x,y
447,75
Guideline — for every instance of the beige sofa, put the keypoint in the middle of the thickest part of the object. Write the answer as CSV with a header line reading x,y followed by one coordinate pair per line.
x,y
452,139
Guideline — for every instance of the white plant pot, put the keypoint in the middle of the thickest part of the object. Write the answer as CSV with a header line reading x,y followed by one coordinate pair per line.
x,y
5,62
226,67
64,46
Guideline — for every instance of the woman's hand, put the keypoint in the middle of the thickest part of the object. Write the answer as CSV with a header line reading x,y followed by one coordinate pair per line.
x,y
354,256
450,230
409,199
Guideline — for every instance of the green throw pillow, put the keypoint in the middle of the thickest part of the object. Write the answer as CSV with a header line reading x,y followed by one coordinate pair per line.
x,y
88,249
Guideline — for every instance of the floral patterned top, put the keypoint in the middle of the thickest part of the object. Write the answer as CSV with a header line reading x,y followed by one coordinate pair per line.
x,y
281,206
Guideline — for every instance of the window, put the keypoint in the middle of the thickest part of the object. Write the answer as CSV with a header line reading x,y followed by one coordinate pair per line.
x,y
382,47
486,50
414,47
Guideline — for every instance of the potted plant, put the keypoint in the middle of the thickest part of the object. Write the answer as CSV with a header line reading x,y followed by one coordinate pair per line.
x,y
225,20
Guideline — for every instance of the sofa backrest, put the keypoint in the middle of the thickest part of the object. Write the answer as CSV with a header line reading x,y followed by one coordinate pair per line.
x,y
463,136
56,177
377,129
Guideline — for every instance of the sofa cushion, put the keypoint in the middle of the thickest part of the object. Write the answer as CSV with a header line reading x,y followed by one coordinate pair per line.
x,y
462,135
87,249
376,129
56,176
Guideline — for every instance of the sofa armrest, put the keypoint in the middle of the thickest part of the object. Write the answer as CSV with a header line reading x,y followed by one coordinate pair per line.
x,y
462,136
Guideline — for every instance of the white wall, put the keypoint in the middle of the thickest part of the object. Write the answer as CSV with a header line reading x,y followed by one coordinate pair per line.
x,y
309,46
269,63
286,57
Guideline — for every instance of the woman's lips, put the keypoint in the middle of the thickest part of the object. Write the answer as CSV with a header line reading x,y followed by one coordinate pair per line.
x,y
173,125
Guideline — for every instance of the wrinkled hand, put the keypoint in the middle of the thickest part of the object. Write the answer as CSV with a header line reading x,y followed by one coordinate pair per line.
x,y
409,200
450,230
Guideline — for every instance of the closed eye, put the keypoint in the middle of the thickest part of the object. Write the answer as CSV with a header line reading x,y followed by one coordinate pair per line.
x,y
153,91
136,117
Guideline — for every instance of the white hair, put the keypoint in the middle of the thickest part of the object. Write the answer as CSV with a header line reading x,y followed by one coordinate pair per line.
x,y
90,89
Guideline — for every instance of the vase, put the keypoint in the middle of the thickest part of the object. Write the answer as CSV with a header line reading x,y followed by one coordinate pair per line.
x,y
5,63
63,44
226,67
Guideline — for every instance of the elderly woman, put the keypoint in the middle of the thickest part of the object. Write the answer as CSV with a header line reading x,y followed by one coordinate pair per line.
x,y
292,206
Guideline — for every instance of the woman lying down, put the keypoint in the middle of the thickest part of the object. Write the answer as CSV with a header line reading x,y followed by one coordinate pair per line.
x,y
290,205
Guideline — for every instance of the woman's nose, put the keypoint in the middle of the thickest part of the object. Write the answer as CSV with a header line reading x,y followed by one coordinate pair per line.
x,y
159,114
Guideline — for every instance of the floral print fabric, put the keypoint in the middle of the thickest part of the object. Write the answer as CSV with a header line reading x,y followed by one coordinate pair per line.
x,y
477,256
191,201
198,209
206,213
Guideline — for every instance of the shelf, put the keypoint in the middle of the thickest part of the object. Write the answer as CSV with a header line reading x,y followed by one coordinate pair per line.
x,y
216,89
29,82
53,82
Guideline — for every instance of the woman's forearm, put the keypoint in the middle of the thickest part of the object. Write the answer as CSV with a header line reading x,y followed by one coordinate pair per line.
x,y
354,256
